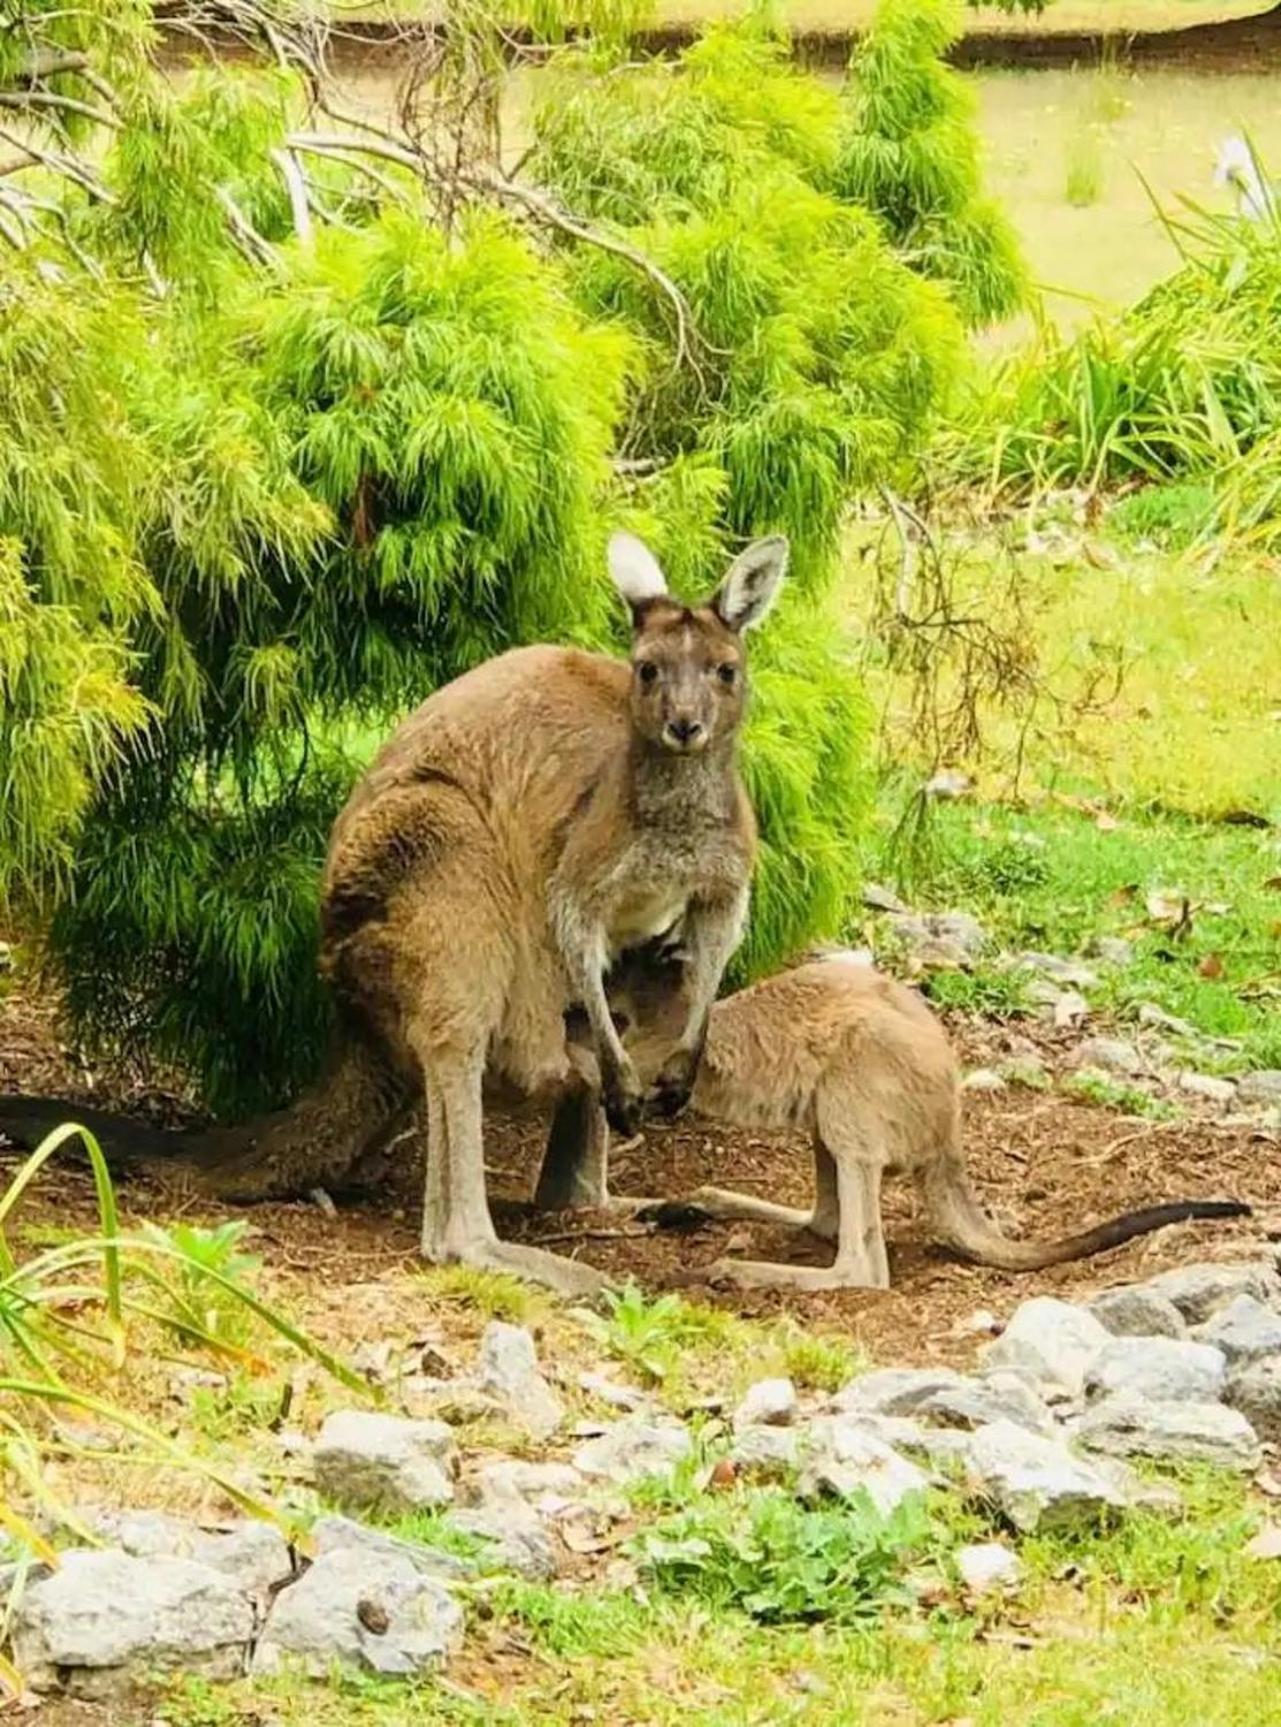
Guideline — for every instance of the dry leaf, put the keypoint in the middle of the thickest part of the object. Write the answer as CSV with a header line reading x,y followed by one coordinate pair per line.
x,y
724,1473
1124,895
1273,882
1211,966
1105,822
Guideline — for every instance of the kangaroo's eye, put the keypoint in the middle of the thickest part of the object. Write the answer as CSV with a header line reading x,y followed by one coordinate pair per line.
x,y
727,673
647,671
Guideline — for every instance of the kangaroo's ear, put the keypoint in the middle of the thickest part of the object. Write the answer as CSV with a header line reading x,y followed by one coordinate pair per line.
x,y
635,571
751,587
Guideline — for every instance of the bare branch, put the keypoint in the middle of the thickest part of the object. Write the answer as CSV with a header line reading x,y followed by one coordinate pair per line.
x,y
296,186
27,99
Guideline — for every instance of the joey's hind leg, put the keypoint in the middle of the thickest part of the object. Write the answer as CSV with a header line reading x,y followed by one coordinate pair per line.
x,y
861,1261
822,1219
574,1174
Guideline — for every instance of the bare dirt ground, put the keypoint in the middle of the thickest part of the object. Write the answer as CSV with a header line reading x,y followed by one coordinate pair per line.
x,y
1045,1164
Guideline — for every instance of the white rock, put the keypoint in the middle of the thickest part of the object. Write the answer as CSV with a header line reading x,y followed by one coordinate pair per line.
x,y
895,1390
983,1079
105,1621
1261,1089
384,1462
1112,1055
334,1533
365,1610
1035,1481
634,1448
1112,950
548,1487
1200,1290
878,898
999,1395
988,1566
772,1452
1158,1369
844,1458
509,1370
1070,973
1255,1390
254,1555
1220,1092
1172,1432
1134,1311
1052,1341
513,1538
768,1403
1245,1330
612,1392
1151,1014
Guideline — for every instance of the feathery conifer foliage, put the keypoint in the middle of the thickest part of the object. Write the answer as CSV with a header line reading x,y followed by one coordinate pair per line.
x,y
297,424
909,151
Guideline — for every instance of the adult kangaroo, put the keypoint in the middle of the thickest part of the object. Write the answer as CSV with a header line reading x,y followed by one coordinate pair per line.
x,y
531,821
859,1062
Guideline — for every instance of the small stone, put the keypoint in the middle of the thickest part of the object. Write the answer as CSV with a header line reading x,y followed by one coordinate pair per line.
x,y
1052,1341
548,1487
1111,950
334,1533
1260,1089
942,940
1198,1291
634,1448
1036,1482
983,1079
1158,1370
981,1323
770,1452
253,1554
330,1616
1255,1390
1207,1086
999,1395
768,1403
948,785
878,898
845,1459
988,1567
106,1621
895,1390
610,1391
1070,973
1133,1311
1069,1007
1151,1014
509,1370
384,1462
1028,1071
1245,1330
1112,1055
1128,1426
513,1537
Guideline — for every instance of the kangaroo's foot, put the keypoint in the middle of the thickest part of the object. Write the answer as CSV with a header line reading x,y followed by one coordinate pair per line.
x,y
565,1276
765,1274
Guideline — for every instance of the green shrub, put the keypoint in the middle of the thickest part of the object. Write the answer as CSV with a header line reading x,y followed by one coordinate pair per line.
x,y
780,1561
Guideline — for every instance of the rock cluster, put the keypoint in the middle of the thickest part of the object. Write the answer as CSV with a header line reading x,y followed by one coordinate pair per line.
x,y
1186,1366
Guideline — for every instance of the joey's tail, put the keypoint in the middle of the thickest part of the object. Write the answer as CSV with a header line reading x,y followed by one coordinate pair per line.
x,y
959,1222
316,1142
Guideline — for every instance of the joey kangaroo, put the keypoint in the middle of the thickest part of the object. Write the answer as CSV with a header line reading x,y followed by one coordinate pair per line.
x,y
858,1061
528,823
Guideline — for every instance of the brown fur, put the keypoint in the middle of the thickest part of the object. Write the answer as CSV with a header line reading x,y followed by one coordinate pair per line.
x,y
860,1063
529,822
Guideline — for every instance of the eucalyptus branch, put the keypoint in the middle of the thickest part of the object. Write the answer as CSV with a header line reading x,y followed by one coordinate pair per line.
x,y
296,186
25,99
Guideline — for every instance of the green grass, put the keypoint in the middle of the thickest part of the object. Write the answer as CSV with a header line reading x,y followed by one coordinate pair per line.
x,y
1083,176
1093,881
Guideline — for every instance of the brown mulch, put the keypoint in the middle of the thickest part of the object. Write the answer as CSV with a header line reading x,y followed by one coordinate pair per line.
x,y
1044,1163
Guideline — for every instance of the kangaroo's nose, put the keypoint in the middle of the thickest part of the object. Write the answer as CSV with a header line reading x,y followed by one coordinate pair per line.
x,y
684,731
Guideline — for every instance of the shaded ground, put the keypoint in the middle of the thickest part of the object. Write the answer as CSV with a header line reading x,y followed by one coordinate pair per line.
x,y
1045,1164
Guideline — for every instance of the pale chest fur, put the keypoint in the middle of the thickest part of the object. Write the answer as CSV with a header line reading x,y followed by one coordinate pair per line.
x,y
655,880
